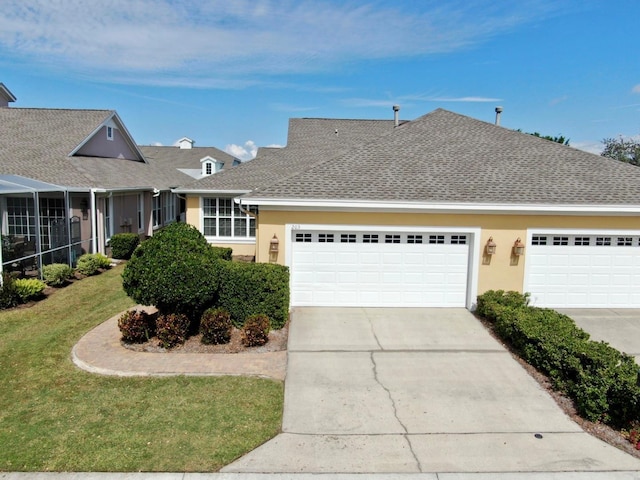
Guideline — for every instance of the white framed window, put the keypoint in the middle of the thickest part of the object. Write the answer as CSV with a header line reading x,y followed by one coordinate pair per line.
x,y
208,168
168,207
222,217
156,212
108,224
109,133
140,213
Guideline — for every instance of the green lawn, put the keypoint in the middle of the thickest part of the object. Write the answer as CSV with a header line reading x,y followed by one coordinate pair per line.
x,y
56,417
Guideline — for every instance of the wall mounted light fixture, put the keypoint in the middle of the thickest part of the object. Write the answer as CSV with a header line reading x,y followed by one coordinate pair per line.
x,y
274,244
518,247
490,247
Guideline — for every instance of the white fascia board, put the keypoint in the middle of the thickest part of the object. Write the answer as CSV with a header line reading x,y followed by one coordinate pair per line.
x,y
394,206
199,191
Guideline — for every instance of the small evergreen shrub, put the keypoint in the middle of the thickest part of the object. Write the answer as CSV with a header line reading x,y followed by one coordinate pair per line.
x,y
29,288
123,244
172,329
8,294
216,326
136,326
255,288
255,331
176,270
222,253
91,263
56,274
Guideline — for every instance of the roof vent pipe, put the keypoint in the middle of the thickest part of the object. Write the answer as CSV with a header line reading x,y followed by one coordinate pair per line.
x,y
498,112
396,120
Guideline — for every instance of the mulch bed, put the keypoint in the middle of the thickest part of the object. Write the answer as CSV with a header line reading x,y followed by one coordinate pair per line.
x,y
604,432
277,342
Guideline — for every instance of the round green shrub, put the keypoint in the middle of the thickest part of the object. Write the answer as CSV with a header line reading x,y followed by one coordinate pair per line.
x,y
172,329
136,326
215,326
123,244
91,263
255,331
29,288
56,274
175,270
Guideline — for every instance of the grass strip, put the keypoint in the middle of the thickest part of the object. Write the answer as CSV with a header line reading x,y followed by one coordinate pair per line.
x,y
55,417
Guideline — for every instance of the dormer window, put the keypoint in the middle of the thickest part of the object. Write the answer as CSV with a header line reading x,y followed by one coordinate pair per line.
x,y
210,166
109,133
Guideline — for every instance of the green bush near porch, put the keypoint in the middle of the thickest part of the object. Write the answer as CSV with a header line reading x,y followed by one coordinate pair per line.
x,y
602,381
248,289
123,244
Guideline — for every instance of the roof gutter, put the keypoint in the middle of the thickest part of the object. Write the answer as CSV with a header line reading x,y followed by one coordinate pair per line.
x,y
201,191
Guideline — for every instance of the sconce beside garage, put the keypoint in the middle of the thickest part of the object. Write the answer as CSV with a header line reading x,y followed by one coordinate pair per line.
x,y
518,247
490,247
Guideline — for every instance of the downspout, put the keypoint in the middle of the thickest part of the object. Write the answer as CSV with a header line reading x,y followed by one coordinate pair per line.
x,y
36,211
69,212
94,222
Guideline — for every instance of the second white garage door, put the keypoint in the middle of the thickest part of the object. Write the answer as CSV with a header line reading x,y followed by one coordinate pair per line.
x,y
379,269
583,270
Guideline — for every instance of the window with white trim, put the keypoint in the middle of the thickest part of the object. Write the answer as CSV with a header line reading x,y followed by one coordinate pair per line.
x,y
140,212
21,219
156,211
168,207
222,217
107,218
109,133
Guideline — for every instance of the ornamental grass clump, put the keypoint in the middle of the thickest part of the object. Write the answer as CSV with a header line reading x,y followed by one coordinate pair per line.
x,y
215,327
136,326
255,331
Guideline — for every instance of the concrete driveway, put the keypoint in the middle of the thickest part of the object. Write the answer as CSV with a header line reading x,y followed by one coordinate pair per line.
x,y
618,327
416,390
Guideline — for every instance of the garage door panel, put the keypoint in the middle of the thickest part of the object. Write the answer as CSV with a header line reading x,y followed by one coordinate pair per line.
x,y
379,274
583,273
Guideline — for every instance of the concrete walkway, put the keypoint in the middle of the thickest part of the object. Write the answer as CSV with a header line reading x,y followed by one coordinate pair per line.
x,y
417,390
100,351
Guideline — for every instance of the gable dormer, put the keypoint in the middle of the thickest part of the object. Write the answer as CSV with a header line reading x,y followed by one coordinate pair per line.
x,y
210,166
185,143
6,97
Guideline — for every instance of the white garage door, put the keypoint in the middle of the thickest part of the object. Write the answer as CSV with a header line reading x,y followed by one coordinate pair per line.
x,y
379,269
584,271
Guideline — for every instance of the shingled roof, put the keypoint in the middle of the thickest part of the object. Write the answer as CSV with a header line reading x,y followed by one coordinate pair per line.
x,y
309,140
444,157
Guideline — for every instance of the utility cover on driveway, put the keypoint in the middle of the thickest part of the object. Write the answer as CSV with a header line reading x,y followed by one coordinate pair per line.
x,y
416,390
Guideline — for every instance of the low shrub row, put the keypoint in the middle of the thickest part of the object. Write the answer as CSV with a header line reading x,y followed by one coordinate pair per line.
x,y
123,244
602,381
172,329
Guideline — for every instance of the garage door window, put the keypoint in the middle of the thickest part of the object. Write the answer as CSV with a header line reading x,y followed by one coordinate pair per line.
x,y
382,238
585,241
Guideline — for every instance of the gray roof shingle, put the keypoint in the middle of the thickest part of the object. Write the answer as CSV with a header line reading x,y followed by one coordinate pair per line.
x,y
310,140
444,157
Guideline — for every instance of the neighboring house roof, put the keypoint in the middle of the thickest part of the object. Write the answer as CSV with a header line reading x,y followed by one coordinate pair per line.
x,y
64,147
444,157
310,140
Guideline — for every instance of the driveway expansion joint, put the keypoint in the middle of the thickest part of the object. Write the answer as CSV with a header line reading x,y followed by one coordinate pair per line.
x,y
395,411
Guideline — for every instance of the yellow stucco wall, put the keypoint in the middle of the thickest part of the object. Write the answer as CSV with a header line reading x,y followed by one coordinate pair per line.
x,y
192,216
500,271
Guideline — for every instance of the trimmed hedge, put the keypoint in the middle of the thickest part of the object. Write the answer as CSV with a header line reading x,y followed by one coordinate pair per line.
x,y
602,381
123,244
222,253
248,289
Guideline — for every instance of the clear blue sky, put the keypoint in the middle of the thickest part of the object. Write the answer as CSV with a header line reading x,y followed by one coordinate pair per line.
x,y
230,73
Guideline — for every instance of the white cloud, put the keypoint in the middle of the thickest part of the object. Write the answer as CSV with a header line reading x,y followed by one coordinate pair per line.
x,y
636,89
235,44
243,152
